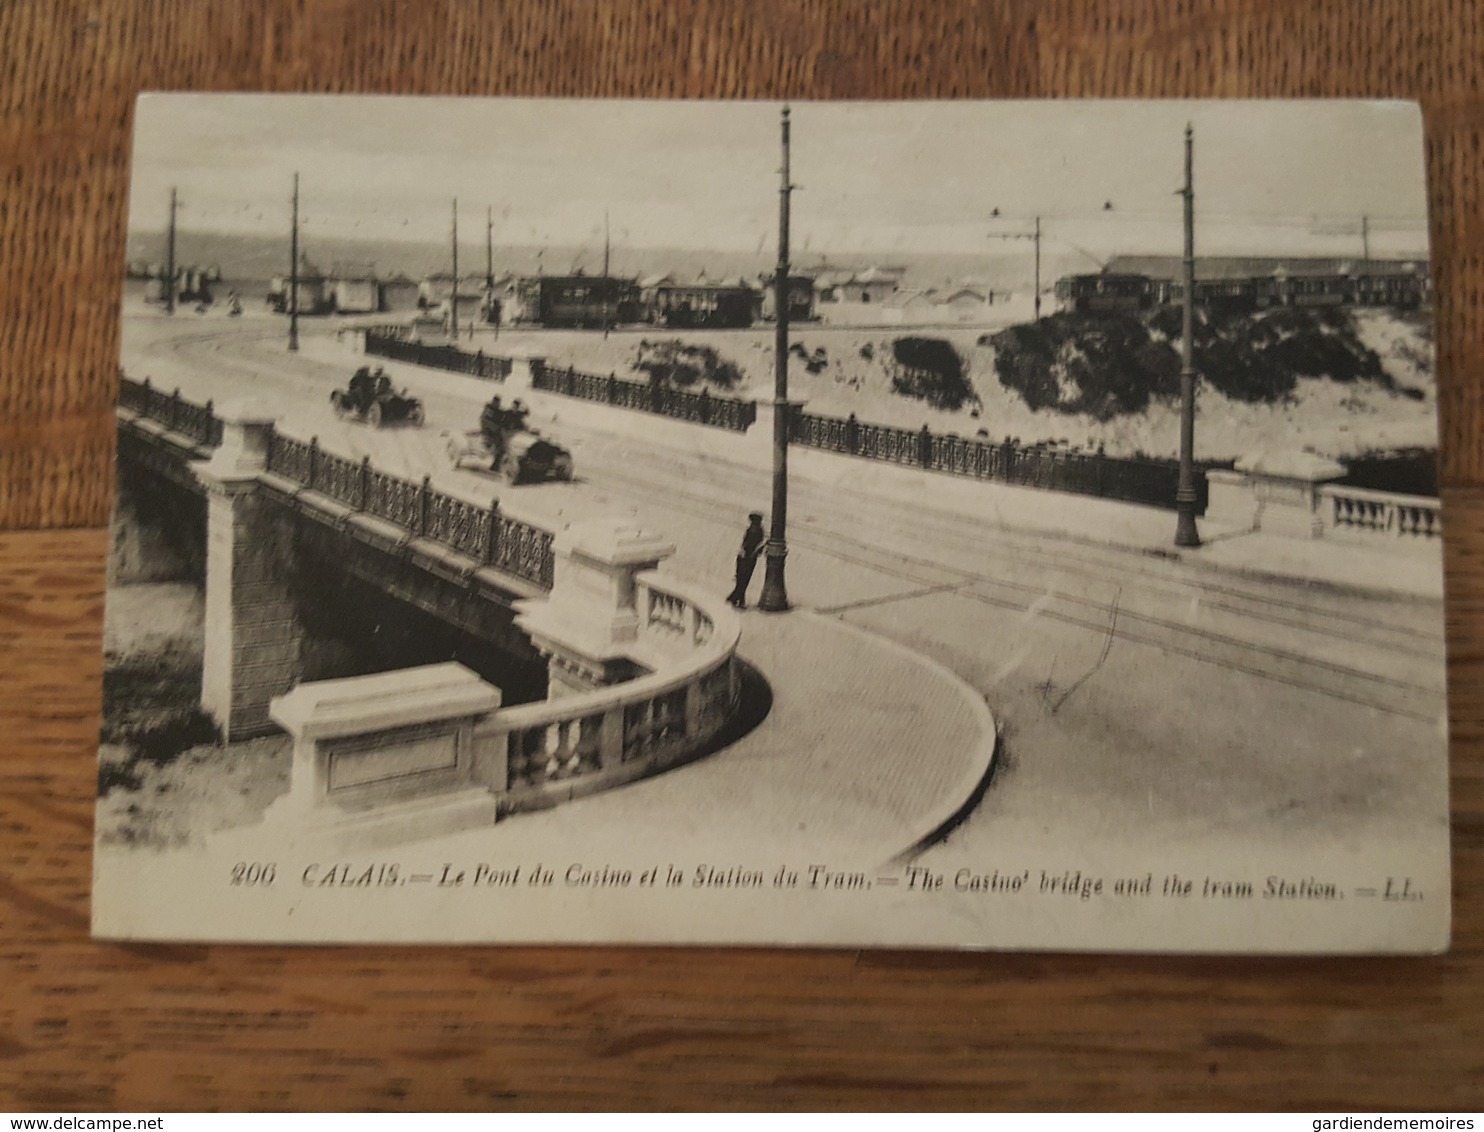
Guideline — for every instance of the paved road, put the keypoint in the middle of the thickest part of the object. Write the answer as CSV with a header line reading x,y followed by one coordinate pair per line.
x,y
1145,700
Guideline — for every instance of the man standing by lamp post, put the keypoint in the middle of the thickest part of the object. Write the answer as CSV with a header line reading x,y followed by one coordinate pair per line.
x,y
1185,498
774,598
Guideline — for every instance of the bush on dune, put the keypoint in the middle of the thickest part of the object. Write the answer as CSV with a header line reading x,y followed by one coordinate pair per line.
x,y
1108,365
930,369
682,365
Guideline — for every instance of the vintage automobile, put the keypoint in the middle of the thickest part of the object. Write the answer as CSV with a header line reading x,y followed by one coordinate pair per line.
x,y
370,397
506,444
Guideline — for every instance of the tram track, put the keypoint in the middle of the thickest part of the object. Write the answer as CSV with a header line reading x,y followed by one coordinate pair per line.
x,y
1286,666
1321,617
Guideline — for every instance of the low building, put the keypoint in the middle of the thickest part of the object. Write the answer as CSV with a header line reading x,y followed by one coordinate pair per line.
x,y
355,294
311,287
870,285
965,305
398,293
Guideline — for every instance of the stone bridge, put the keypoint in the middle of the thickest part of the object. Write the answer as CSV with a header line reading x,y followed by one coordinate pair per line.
x,y
641,670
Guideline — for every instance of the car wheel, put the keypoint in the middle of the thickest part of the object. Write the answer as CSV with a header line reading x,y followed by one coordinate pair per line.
x,y
415,416
510,467
373,415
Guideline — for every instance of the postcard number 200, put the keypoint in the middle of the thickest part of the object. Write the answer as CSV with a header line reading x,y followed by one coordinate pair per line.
x,y
254,872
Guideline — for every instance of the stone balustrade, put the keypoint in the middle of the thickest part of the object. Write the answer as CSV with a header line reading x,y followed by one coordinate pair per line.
x,y
584,742
1380,512
399,755
1294,493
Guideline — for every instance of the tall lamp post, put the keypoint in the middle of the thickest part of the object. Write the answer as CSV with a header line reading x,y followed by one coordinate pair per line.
x,y
453,296
1185,529
294,273
170,257
774,598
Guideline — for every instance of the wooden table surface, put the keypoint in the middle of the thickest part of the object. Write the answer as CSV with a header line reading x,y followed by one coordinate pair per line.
x,y
98,1026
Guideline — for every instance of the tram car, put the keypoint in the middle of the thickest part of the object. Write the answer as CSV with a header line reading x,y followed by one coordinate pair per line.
x,y
801,299
584,301
1104,293
1402,291
1107,292
702,305
1231,296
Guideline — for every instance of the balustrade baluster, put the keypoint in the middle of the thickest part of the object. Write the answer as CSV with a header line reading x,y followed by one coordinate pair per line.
x,y
313,462
424,503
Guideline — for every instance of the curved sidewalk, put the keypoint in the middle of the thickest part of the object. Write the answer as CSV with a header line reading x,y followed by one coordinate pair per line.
x,y
869,748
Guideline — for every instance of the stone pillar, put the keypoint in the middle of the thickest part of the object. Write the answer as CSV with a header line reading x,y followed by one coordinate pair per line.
x,y
589,625
253,634
523,364
1273,492
382,758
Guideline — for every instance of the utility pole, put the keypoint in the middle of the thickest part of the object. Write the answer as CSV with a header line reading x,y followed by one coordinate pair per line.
x,y
489,250
1038,268
606,292
453,295
294,273
489,270
1365,243
1185,529
1034,236
170,257
774,598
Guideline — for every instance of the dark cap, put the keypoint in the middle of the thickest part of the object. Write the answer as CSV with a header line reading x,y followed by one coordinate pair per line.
x,y
755,515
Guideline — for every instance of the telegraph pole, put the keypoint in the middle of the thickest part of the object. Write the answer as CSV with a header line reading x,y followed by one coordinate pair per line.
x,y
453,296
1365,242
774,598
606,292
489,250
1038,268
1185,500
294,274
170,258
1035,236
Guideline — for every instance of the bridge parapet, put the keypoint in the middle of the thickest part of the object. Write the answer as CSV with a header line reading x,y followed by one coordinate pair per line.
x,y
188,418
643,668
384,758
584,742
254,443
1385,513
484,533
1295,493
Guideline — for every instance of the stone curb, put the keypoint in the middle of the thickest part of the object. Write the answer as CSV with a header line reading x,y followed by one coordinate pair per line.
x,y
946,816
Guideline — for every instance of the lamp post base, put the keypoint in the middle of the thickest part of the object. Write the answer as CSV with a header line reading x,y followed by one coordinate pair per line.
x,y
774,598
1186,534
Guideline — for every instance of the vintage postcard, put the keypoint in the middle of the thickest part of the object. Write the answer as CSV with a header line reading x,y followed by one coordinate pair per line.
x,y
971,525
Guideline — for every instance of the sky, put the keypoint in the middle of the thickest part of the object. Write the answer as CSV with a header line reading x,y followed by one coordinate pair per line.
x,y
1270,177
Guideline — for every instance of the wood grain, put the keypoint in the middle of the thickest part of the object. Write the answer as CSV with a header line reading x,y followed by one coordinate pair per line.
x,y
87,1026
